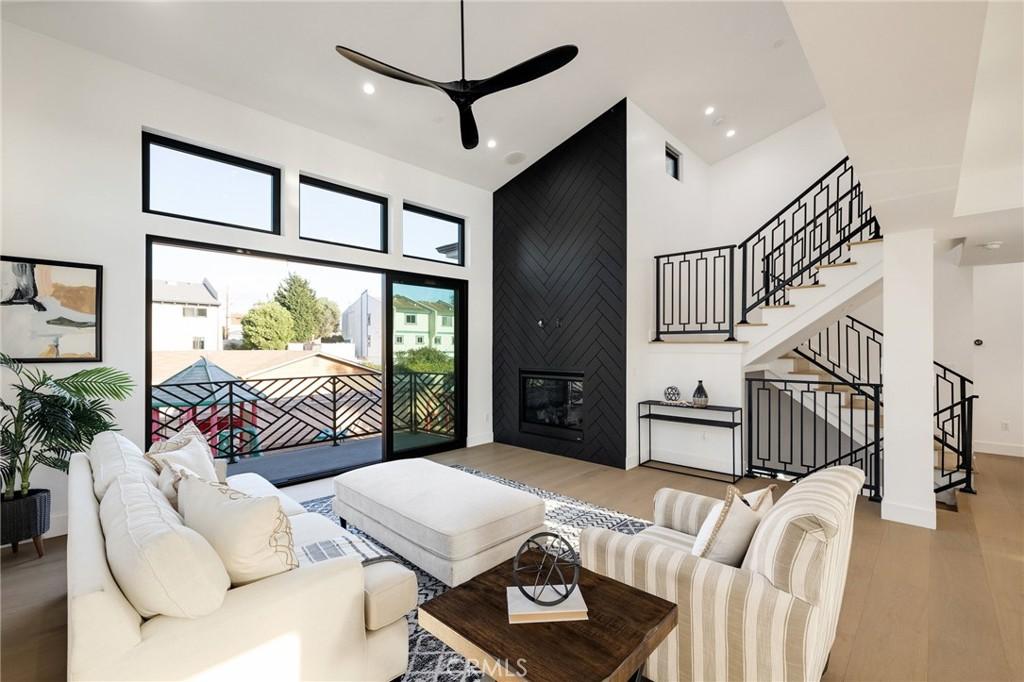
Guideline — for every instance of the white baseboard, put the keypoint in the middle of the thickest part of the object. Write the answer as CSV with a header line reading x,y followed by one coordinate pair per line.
x,y
479,439
991,448
58,526
923,517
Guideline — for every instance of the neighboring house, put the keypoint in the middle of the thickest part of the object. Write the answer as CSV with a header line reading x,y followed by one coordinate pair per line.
x,y
360,324
442,334
412,323
186,316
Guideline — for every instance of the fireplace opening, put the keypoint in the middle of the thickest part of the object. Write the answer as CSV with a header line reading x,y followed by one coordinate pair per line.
x,y
551,404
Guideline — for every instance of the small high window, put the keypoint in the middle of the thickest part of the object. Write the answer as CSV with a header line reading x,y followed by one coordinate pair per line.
x,y
672,162
430,235
419,339
182,180
198,343
399,340
341,215
410,319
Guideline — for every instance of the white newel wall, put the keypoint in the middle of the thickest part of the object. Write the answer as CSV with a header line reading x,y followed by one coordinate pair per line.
x,y
999,361
72,123
908,495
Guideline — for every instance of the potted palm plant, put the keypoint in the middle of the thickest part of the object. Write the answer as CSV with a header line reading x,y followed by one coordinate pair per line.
x,y
46,419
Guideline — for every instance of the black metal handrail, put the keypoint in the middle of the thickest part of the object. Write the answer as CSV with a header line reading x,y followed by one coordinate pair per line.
x,y
251,416
799,426
955,424
694,292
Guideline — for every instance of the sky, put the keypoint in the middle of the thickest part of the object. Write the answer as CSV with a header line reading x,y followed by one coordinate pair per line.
x,y
246,280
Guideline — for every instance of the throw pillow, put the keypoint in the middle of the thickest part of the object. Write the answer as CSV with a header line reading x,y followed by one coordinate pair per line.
x,y
726,532
161,566
187,448
111,455
170,477
252,535
792,553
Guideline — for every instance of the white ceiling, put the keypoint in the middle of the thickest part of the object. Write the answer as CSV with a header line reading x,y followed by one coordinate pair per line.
x,y
929,110
672,59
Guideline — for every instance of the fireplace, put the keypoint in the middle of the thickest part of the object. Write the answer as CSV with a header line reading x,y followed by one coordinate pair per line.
x,y
551,404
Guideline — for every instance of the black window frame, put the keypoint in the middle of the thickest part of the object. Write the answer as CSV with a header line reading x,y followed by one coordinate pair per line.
x,y
407,316
431,213
149,139
671,154
352,192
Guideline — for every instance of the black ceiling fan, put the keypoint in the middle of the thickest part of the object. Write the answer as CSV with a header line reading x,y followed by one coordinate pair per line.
x,y
464,92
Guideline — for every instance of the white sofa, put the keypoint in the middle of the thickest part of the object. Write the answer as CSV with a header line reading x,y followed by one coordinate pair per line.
x,y
333,620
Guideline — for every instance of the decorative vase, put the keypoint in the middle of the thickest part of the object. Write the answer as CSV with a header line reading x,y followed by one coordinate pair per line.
x,y
25,517
700,395
672,394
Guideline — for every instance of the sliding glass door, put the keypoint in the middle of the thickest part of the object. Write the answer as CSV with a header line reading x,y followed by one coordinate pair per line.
x,y
426,365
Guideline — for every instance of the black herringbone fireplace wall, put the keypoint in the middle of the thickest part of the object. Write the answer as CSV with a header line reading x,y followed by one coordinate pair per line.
x,y
560,258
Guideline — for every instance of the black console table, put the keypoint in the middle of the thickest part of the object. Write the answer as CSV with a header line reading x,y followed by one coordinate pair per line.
x,y
734,422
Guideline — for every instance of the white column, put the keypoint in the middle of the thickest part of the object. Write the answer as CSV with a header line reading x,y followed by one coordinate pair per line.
x,y
908,479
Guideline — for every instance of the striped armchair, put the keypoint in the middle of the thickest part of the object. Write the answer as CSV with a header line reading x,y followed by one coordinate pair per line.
x,y
772,619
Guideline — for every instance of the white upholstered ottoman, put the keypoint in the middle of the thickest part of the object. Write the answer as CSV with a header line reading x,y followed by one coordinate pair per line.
x,y
451,524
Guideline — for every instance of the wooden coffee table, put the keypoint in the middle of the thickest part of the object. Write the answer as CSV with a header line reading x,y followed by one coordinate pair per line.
x,y
625,626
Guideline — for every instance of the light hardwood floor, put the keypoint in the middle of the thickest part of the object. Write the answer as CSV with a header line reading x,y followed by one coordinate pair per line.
x,y
936,605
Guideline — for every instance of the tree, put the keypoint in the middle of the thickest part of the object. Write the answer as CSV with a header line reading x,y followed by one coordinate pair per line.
x,y
330,317
296,296
267,326
424,360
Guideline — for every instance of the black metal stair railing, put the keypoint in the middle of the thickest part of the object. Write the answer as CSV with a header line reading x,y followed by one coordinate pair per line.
x,y
696,291
850,351
796,427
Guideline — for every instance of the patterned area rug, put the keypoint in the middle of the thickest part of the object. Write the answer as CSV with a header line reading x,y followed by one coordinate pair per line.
x,y
429,659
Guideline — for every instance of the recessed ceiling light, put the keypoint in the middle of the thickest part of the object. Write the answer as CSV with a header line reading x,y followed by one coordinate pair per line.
x,y
492,143
709,111
718,121
730,132
992,246
368,88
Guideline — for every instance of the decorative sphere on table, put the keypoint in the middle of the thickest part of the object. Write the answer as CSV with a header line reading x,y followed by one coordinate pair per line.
x,y
546,560
672,394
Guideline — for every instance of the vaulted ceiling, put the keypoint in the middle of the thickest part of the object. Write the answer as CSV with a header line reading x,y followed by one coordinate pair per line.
x,y
672,59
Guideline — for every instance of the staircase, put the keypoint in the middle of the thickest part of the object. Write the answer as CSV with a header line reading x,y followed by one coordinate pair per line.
x,y
814,385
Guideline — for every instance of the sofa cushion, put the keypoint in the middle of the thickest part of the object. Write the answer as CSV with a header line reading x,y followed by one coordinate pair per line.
x,y
161,566
668,537
257,486
726,532
187,448
449,513
111,455
252,535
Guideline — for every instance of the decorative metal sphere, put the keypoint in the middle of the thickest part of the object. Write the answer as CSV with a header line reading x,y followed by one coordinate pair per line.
x,y
672,394
546,560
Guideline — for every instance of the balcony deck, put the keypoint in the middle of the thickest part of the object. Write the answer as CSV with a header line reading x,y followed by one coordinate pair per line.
x,y
295,465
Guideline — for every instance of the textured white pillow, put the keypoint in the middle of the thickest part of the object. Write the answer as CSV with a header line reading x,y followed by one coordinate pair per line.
x,y
187,448
111,455
252,535
161,566
726,532
170,477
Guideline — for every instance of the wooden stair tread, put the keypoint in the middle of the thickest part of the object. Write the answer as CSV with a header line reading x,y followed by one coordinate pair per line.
x,y
781,305
805,286
751,324
876,240
835,265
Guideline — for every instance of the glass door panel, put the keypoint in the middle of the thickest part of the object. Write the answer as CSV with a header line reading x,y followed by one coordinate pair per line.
x,y
426,401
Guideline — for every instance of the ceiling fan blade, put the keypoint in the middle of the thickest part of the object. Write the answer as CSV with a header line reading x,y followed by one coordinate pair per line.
x,y
467,125
385,69
531,69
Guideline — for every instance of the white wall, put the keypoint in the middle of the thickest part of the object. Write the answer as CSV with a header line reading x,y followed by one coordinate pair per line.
x,y
999,362
752,185
72,123
173,331
954,311
665,215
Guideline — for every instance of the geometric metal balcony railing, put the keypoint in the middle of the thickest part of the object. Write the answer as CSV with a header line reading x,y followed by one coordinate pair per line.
x,y
249,417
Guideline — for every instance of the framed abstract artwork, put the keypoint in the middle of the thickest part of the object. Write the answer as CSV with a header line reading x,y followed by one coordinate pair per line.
x,y
50,311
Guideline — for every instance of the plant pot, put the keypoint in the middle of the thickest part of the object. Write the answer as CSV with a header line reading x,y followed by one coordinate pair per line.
x,y
25,517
